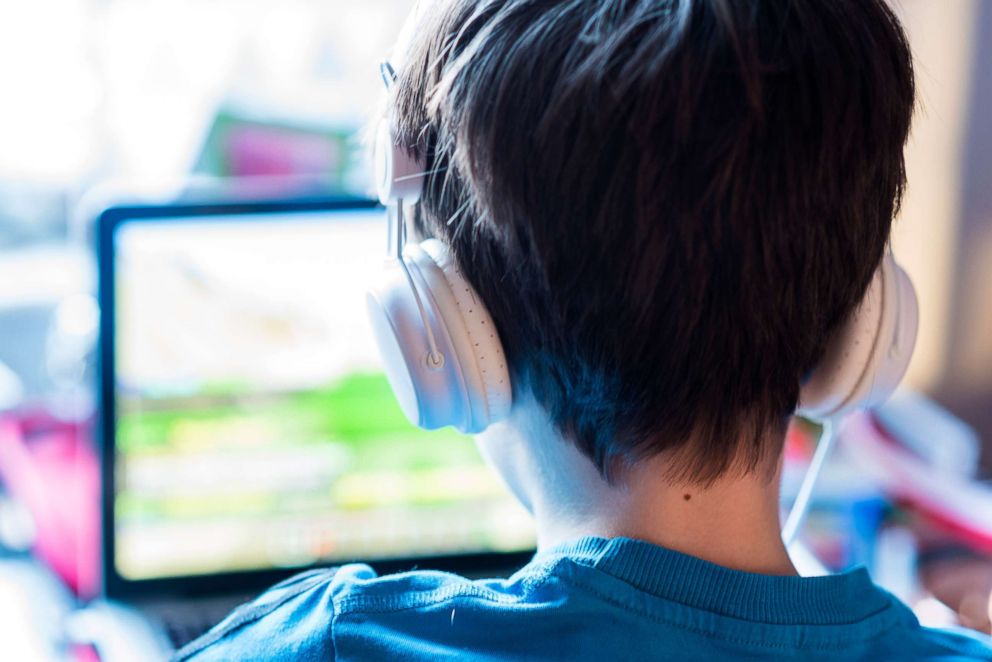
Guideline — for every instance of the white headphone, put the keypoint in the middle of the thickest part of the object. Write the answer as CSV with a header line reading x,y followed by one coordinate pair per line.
x,y
445,362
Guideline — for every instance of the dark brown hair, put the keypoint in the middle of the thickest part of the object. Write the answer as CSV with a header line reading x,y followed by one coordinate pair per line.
x,y
667,206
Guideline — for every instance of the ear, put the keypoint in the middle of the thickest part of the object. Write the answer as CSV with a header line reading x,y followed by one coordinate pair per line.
x,y
868,356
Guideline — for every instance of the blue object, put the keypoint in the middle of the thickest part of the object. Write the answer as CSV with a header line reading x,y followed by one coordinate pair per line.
x,y
595,599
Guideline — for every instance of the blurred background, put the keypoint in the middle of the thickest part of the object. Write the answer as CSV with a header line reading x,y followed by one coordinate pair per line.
x,y
138,95
102,98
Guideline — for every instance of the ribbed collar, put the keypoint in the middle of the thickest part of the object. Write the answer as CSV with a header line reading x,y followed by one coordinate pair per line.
x,y
843,598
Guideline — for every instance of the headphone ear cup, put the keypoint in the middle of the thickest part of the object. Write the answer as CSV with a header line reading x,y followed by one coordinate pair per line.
x,y
869,354
893,365
475,339
471,387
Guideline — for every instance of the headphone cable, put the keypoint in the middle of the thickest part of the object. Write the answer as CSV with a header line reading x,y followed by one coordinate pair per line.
x,y
797,514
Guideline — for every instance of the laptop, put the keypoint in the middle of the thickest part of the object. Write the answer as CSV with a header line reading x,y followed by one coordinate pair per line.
x,y
248,430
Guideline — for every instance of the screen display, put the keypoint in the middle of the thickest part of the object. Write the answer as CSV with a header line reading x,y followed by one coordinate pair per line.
x,y
255,428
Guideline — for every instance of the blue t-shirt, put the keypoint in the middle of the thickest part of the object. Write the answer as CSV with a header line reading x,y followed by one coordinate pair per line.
x,y
594,599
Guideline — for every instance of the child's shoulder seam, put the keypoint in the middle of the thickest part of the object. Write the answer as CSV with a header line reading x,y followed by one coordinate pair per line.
x,y
460,587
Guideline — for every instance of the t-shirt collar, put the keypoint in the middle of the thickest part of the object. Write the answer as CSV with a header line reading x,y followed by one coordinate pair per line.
x,y
841,598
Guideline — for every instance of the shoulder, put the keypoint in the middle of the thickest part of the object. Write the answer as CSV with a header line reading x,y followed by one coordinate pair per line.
x,y
955,644
907,638
295,620
290,621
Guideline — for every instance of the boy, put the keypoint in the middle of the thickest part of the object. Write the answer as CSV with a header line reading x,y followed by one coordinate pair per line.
x,y
668,207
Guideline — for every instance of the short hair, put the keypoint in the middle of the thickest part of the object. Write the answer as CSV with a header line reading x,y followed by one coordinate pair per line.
x,y
667,206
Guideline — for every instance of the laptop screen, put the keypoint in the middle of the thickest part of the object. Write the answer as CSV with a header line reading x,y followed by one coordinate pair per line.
x,y
254,426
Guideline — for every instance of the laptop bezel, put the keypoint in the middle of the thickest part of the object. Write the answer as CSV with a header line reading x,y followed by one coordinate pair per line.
x,y
119,587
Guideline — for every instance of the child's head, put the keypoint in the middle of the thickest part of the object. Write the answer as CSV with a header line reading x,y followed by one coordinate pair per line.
x,y
667,206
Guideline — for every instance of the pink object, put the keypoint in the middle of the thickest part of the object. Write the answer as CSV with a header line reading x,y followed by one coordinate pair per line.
x,y
84,653
56,475
799,443
269,151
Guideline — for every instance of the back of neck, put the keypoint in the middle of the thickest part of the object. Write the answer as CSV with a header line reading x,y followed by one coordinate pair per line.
x,y
733,522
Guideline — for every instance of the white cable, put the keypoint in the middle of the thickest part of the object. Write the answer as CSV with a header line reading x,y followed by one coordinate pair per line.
x,y
801,505
434,358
